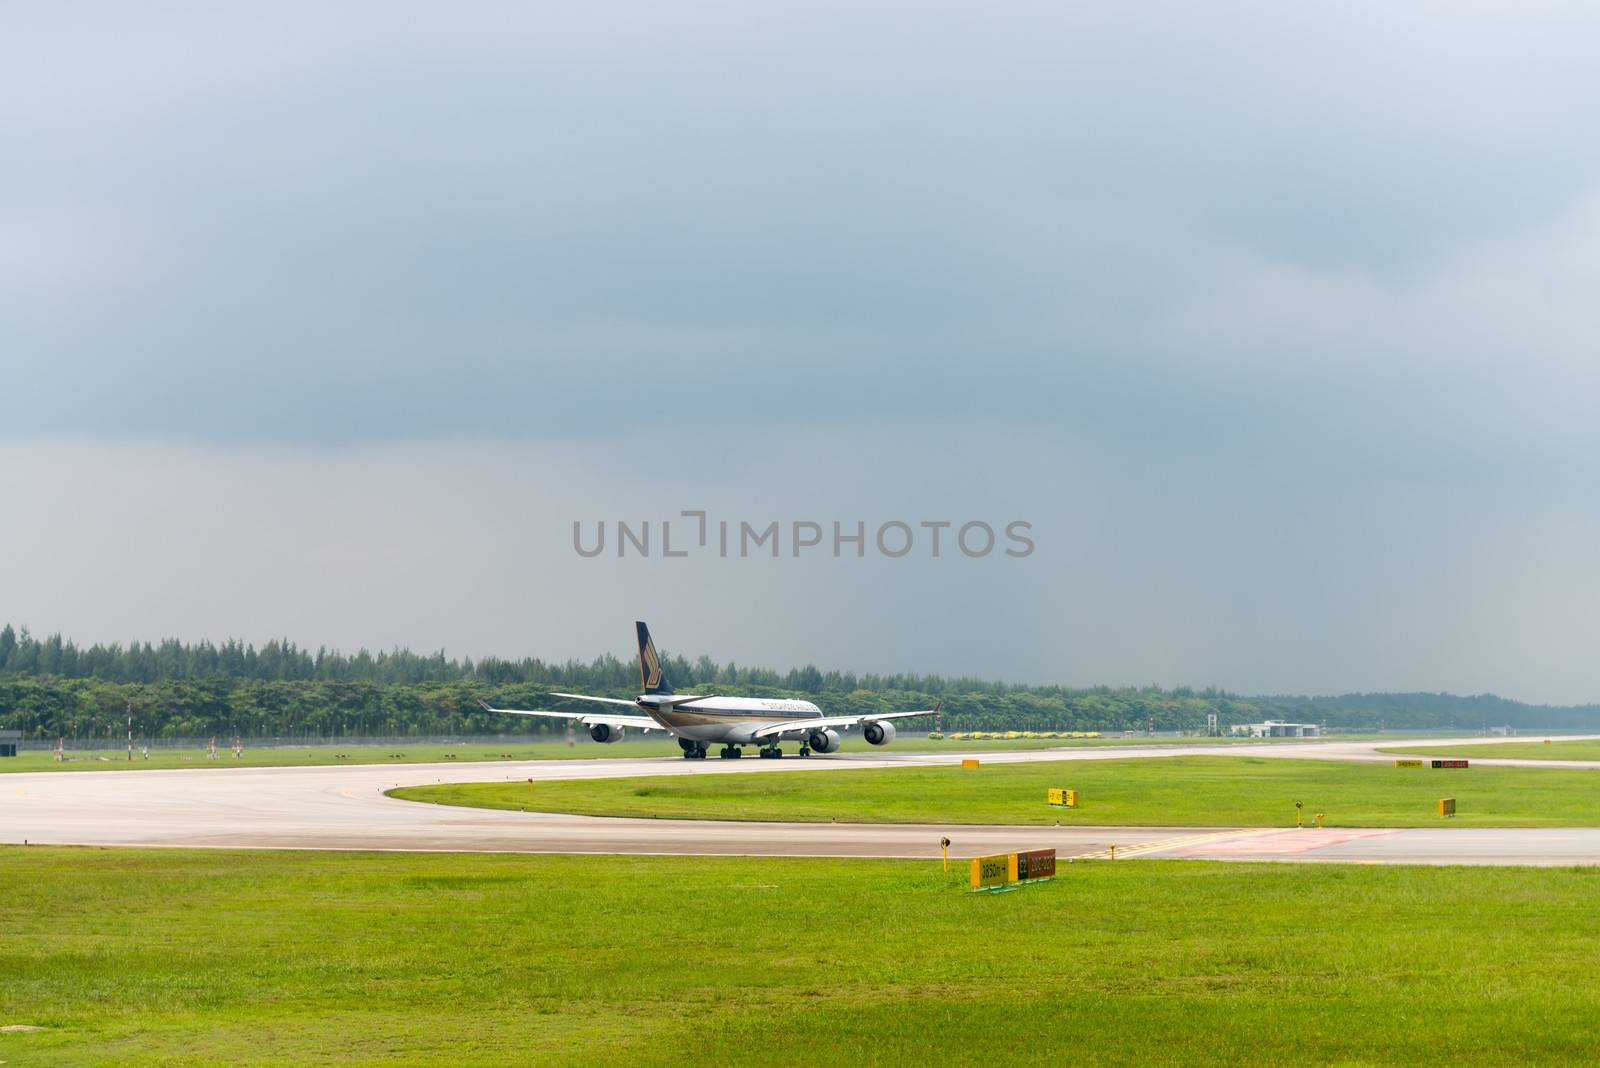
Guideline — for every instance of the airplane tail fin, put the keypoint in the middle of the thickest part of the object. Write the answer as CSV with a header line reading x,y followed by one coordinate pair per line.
x,y
653,679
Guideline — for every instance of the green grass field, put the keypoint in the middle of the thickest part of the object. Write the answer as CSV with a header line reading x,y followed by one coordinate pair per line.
x,y
133,957
1232,791
1535,750
306,755
296,756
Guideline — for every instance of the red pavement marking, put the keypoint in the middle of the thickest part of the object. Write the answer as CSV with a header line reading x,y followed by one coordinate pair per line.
x,y
1296,841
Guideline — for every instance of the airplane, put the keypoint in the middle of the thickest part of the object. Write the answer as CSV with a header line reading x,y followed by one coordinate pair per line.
x,y
734,721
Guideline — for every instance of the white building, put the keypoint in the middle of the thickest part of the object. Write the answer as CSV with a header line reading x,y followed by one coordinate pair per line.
x,y
1274,729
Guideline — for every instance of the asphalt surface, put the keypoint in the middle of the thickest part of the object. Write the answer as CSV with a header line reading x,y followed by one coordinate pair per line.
x,y
345,808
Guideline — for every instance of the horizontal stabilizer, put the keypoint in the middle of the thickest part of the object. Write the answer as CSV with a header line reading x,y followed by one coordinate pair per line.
x,y
790,726
588,719
670,700
601,700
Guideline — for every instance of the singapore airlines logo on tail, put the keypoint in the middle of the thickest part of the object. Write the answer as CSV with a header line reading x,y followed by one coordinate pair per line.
x,y
649,663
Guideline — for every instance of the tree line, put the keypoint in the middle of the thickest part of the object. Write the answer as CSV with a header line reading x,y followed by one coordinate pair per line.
x,y
51,688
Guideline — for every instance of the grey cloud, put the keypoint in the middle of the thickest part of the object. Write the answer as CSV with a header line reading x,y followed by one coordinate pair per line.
x,y
1280,320
353,226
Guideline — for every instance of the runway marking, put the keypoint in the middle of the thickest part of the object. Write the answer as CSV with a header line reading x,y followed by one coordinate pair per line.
x,y
1161,845
1290,841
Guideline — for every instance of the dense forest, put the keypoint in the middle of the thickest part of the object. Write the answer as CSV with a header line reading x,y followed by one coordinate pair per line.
x,y
50,688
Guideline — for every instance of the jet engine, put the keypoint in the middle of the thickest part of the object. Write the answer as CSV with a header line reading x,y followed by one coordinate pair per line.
x,y
878,733
824,741
605,732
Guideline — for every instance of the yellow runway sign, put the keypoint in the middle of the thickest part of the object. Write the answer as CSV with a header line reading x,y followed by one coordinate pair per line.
x,y
991,871
1408,763
1002,870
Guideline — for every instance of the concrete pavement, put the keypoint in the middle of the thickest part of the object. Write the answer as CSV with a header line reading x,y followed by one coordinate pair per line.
x,y
345,808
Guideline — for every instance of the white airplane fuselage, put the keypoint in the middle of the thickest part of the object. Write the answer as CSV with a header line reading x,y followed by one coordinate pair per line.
x,y
729,720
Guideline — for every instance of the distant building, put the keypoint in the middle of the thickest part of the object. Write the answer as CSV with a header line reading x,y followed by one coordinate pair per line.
x,y
1274,729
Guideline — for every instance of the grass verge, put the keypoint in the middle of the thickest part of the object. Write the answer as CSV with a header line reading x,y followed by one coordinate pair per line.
x,y
332,754
1588,749
1232,791
632,747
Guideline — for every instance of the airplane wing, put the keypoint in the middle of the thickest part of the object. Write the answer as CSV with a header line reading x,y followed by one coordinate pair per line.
x,y
836,721
587,719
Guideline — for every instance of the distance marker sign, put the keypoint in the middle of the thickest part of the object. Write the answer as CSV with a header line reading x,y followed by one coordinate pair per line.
x,y
1035,864
991,871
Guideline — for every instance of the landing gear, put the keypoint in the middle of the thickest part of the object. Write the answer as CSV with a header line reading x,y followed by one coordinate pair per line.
x,y
731,752
805,750
692,750
772,752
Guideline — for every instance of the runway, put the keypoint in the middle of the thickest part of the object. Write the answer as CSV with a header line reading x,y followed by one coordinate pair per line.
x,y
345,808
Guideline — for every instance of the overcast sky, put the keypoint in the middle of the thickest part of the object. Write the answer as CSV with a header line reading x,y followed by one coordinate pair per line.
x,y
1277,323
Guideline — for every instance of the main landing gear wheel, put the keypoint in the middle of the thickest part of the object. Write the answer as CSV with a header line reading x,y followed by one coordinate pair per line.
x,y
772,752
692,750
805,750
731,752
